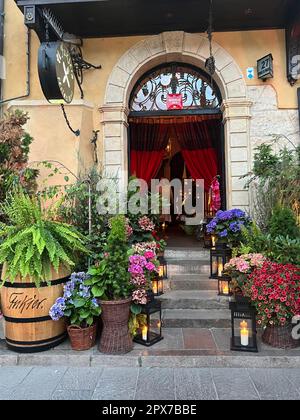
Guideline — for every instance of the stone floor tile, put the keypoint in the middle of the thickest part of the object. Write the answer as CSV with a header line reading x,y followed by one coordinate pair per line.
x,y
80,379
196,338
116,384
173,339
194,384
234,384
10,376
155,383
68,394
273,385
39,384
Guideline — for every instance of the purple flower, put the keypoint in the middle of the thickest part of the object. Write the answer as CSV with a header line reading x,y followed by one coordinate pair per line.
x,y
95,303
135,269
57,310
224,233
137,260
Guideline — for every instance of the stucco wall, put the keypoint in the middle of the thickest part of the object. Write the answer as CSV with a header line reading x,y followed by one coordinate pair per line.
x,y
275,101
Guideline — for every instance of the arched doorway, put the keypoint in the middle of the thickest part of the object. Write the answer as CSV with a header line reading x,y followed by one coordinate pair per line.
x,y
192,49
182,140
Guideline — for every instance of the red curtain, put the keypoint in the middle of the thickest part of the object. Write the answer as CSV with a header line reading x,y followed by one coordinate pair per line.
x,y
147,144
198,149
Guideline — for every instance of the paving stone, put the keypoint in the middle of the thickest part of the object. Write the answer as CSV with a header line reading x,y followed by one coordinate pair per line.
x,y
39,384
195,338
222,338
116,384
173,339
79,379
163,361
10,376
196,318
194,384
67,394
293,375
154,384
192,299
5,393
56,358
273,385
128,360
234,384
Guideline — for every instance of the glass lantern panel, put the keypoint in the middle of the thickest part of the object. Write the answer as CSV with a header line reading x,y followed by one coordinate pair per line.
x,y
220,266
214,265
243,333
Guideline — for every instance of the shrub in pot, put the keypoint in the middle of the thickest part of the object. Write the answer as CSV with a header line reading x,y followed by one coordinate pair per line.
x,y
37,252
81,311
110,282
274,290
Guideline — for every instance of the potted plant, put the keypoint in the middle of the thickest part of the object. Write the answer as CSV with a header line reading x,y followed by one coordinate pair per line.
x,y
228,225
37,252
81,310
110,282
274,290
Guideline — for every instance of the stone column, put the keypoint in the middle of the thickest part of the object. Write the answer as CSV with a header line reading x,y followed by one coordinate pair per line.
x,y
236,119
115,144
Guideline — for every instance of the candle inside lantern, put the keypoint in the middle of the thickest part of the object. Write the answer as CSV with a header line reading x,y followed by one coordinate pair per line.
x,y
160,286
244,325
145,333
213,240
161,271
220,269
245,337
154,287
225,288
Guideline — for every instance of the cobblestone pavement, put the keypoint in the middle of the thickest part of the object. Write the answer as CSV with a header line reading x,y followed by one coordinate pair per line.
x,y
96,383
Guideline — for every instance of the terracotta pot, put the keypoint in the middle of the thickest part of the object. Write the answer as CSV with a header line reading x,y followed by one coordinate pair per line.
x,y
82,338
115,337
280,337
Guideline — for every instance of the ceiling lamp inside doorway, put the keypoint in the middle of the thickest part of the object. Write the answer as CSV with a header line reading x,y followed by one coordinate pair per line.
x,y
210,64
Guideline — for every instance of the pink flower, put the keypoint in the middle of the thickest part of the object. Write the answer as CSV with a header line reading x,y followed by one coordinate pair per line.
x,y
150,266
150,255
146,224
139,297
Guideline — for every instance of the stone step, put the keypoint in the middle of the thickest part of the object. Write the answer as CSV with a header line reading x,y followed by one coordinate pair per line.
x,y
182,253
192,282
188,267
193,299
196,318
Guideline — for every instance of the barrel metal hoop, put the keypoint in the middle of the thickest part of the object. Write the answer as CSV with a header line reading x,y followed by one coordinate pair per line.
x,y
32,285
27,320
37,342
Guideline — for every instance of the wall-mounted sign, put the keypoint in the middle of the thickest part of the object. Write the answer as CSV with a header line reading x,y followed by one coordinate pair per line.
x,y
250,73
174,101
56,72
265,67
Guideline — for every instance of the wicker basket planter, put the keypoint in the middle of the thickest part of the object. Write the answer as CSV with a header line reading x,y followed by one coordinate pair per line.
x,y
280,337
115,337
82,338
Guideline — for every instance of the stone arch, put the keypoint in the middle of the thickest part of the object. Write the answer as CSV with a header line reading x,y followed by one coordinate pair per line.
x,y
190,49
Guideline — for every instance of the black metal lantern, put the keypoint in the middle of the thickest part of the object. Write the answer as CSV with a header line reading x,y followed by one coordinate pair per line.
x,y
151,331
224,286
219,256
243,325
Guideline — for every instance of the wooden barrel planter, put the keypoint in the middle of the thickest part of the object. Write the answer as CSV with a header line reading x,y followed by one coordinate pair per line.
x,y
28,326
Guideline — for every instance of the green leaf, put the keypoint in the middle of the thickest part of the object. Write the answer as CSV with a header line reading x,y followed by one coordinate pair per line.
x,y
79,303
135,309
97,291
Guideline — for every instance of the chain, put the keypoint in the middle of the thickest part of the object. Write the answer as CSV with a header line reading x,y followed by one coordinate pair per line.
x,y
76,132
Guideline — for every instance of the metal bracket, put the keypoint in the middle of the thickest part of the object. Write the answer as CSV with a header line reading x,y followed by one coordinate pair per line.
x,y
80,65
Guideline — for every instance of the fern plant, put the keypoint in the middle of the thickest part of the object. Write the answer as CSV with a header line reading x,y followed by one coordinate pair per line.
x,y
33,242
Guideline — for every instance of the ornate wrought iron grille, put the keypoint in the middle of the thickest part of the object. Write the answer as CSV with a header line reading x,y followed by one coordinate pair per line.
x,y
150,93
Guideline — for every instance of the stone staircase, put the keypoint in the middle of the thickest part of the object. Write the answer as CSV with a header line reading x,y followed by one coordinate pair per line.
x,y
191,300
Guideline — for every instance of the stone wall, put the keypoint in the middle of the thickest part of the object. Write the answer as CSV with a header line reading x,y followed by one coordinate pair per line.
x,y
268,119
